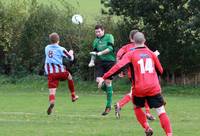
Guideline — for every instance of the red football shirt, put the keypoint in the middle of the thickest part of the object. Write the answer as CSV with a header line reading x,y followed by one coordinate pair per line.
x,y
144,67
124,49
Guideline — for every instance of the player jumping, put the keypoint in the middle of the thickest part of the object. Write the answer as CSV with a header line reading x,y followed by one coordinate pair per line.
x,y
55,69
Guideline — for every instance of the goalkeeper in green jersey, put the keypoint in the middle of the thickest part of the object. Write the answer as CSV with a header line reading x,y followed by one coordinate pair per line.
x,y
103,58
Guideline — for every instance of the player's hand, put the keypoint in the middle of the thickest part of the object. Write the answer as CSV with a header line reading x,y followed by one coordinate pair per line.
x,y
71,52
93,53
156,52
100,82
121,74
91,64
99,53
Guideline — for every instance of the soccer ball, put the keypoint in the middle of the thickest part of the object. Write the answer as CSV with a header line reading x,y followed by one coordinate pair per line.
x,y
77,19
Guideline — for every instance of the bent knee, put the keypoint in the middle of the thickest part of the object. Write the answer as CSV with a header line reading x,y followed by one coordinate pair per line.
x,y
69,77
108,82
160,110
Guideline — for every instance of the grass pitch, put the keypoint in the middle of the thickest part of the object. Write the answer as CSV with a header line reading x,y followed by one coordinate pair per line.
x,y
23,112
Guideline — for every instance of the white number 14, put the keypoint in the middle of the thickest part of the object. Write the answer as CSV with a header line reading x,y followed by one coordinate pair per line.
x,y
146,67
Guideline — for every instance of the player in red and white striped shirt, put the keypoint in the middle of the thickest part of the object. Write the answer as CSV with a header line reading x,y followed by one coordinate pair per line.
x,y
55,69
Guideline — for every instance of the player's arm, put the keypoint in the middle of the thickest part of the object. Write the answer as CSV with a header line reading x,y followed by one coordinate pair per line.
x,y
109,48
123,63
118,67
120,53
158,66
68,54
106,51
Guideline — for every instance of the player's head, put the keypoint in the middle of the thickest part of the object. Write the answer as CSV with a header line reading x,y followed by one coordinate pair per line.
x,y
99,30
139,39
54,38
131,34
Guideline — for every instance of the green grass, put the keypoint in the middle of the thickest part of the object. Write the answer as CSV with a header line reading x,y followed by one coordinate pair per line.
x,y
89,9
23,112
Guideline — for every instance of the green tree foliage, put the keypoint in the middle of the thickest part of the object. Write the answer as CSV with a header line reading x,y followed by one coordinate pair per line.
x,y
170,26
25,26
42,21
12,19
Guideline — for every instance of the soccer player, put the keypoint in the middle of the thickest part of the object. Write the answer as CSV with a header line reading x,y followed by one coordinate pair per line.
x,y
145,67
105,59
127,98
55,69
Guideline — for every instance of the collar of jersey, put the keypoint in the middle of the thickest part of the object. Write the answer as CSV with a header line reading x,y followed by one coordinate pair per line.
x,y
101,37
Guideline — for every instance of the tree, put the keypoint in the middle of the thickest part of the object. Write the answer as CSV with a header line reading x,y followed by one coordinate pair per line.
x,y
170,26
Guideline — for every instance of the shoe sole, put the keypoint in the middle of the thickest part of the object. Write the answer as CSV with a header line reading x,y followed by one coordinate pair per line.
x,y
75,99
117,114
49,110
151,118
149,133
105,112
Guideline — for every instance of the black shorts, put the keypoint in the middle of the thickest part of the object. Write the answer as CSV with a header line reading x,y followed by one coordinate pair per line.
x,y
102,67
153,101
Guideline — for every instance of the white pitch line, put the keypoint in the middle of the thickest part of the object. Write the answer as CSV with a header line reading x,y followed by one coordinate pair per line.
x,y
53,114
17,113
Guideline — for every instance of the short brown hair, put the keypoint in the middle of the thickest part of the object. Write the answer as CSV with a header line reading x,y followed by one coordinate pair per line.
x,y
132,33
99,27
54,37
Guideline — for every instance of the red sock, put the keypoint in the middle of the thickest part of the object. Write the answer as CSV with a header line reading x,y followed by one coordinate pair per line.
x,y
141,118
147,109
71,87
51,98
165,123
124,100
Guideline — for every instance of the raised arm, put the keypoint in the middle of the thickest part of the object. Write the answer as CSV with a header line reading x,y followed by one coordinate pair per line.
x,y
69,55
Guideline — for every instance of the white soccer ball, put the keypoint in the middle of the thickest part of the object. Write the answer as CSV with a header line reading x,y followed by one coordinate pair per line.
x,y
77,19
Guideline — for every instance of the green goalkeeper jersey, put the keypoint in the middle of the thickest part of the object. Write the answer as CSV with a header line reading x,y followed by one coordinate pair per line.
x,y
102,43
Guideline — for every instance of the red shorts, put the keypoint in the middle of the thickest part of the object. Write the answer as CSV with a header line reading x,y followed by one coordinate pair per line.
x,y
54,78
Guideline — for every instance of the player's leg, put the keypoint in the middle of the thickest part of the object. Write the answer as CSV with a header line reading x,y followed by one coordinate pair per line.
x,y
92,60
109,92
103,87
126,99
52,93
52,85
164,120
74,97
148,114
140,115
99,70
158,103
109,89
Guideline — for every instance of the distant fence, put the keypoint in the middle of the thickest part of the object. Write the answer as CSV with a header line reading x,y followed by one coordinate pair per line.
x,y
189,79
